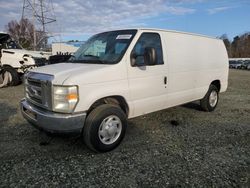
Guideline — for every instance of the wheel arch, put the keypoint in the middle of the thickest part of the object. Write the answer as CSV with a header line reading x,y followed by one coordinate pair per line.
x,y
113,99
217,84
7,65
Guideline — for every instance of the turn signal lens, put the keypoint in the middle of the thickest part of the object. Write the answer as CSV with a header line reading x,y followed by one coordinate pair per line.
x,y
72,96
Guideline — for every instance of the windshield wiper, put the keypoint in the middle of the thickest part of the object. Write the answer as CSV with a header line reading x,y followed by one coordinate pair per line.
x,y
89,55
97,61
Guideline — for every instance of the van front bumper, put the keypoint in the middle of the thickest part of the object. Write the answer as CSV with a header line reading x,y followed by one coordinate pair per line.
x,y
50,121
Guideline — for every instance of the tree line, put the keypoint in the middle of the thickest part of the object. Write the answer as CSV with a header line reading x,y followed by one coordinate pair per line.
x,y
239,47
23,33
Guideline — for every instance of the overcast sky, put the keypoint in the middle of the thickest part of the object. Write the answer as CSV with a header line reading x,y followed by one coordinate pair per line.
x,y
78,19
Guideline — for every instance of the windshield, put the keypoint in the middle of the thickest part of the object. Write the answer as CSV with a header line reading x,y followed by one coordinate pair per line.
x,y
104,48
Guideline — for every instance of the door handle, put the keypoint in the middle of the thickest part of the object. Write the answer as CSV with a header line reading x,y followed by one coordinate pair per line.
x,y
165,80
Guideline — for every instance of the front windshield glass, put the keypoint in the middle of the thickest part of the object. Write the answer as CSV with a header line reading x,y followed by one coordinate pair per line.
x,y
104,48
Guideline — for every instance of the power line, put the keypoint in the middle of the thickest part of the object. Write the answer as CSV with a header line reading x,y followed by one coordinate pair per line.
x,y
42,12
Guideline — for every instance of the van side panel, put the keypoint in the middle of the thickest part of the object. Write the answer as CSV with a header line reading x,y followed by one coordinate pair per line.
x,y
194,62
191,63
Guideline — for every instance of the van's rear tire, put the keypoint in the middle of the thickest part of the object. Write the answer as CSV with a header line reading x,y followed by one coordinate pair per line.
x,y
210,101
12,74
104,128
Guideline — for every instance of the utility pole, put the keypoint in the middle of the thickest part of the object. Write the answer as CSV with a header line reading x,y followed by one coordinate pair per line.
x,y
41,12
34,25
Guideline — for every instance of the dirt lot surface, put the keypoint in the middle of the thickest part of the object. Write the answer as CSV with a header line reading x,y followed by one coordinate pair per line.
x,y
177,147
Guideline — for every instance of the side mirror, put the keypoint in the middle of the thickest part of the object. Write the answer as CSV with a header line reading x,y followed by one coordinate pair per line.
x,y
133,57
150,56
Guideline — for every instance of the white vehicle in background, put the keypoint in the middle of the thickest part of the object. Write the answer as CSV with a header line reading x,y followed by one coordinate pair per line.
x,y
15,61
248,67
235,64
239,63
245,64
123,74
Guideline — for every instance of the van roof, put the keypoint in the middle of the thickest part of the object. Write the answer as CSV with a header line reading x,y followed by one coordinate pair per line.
x,y
171,31
174,31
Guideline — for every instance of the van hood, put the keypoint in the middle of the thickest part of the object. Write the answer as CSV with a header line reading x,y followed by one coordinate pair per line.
x,y
79,73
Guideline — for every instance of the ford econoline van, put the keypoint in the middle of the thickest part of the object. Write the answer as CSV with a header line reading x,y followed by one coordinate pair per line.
x,y
123,74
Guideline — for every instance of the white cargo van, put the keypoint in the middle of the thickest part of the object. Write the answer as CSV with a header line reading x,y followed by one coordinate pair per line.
x,y
122,74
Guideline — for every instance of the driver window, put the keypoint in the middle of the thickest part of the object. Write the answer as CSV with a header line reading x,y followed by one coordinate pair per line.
x,y
152,40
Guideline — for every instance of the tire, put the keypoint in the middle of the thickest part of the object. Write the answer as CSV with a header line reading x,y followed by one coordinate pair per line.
x,y
210,101
14,78
101,136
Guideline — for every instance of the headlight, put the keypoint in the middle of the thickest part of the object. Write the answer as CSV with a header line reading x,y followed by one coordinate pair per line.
x,y
65,98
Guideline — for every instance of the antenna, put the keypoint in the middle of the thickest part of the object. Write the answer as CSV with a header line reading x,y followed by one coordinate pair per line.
x,y
42,13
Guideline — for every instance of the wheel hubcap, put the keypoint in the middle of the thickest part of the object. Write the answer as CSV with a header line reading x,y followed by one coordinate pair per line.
x,y
110,129
213,98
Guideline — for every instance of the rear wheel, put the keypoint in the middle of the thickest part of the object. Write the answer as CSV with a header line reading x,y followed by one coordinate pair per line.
x,y
210,101
104,128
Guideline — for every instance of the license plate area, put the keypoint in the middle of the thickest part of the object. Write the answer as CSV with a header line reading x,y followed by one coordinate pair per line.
x,y
29,113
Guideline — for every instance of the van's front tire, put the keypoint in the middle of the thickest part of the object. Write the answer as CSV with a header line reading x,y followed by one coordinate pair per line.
x,y
210,101
104,128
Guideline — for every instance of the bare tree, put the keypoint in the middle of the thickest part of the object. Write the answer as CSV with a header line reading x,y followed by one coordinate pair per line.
x,y
244,45
227,43
22,32
239,47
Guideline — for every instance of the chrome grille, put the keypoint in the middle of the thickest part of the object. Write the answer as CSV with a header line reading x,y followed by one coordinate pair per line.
x,y
34,91
38,89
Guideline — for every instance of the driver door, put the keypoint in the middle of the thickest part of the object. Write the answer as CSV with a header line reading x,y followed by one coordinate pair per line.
x,y
147,83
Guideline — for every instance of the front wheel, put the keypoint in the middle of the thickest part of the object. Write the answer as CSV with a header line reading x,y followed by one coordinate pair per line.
x,y
210,101
104,128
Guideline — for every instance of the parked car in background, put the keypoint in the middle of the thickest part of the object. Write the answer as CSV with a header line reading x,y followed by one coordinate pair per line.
x,y
235,64
245,64
248,67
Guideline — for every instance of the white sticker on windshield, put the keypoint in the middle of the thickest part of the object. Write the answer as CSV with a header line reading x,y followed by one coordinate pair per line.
x,y
123,36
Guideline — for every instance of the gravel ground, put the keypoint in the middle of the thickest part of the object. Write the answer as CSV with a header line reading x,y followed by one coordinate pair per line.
x,y
177,147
